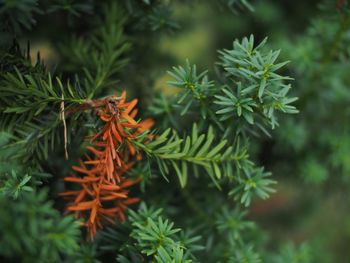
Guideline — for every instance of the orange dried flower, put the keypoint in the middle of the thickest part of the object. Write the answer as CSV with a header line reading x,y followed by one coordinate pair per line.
x,y
103,196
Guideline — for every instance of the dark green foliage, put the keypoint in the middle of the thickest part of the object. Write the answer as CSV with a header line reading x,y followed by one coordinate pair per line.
x,y
206,163
157,238
15,184
196,150
255,182
33,230
151,15
29,119
86,254
16,178
290,253
19,14
232,224
257,93
74,8
259,86
197,87
324,72
149,236
252,89
100,55
245,255
237,5
158,19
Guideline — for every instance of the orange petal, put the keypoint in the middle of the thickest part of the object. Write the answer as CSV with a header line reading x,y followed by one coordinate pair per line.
x,y
109,187
67,193
131,201
94,162
105,117
87,204
131,105
109,210
91,178
93,213
146,124
94,151
131,148
129,182
128,118
75,180
112,197
129,125
115,133
81,170
80,196
109,165
78,208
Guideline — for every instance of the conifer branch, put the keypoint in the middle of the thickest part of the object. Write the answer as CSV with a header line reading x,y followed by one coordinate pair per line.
x,y
101,54
195,151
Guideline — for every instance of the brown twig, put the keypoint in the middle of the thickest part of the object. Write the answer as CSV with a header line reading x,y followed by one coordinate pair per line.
x,y
63,118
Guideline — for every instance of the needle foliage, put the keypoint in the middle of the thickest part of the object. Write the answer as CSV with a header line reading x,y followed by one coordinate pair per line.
x,y
191,174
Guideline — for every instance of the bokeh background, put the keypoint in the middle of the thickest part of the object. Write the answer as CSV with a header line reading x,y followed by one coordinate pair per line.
x,y
309,154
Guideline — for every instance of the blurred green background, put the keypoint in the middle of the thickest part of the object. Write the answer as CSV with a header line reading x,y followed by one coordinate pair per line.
x,y
310,158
